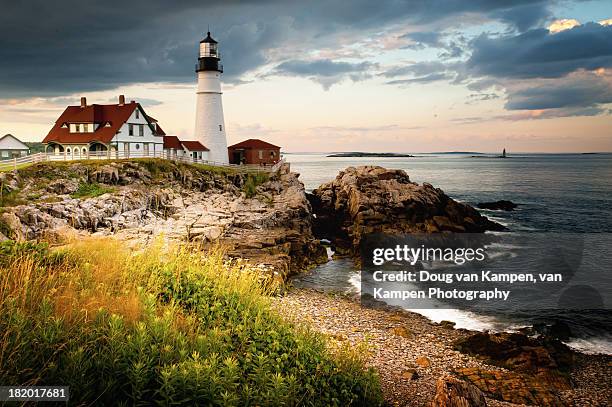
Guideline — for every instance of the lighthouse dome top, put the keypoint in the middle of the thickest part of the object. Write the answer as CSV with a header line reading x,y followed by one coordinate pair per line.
x,y
208,39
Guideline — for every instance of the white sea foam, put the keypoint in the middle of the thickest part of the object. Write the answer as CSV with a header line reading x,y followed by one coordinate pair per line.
x,y
592,345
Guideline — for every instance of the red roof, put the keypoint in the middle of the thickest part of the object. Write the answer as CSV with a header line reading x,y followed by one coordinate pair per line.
x,y
160,131
194,146
172,142
113,115
254,143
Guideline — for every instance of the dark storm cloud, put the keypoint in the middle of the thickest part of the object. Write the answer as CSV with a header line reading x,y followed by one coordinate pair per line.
x,y
523,16
321,68
325,71
582,91
540,54
61,47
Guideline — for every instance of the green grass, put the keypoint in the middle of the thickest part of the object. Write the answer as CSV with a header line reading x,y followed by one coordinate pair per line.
x,y
91,190
9,197
168,327
9,166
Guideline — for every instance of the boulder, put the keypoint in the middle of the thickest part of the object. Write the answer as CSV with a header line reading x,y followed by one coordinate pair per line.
x,y
517,351
538,367
452,392
62,186
501,205
372,199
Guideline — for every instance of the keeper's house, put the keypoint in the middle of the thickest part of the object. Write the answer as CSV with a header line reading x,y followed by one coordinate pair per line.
x,y
122,127
123,130
11,147
254,151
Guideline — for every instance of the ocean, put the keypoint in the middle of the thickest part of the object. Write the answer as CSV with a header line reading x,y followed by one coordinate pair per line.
x,y
556,193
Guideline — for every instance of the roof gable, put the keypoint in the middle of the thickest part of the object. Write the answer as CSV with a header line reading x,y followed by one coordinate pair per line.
x,y
110,118
194,146
10,142
115,115
254,143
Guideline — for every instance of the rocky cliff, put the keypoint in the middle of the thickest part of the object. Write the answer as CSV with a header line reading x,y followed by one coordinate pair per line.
x,y
371,199
266,219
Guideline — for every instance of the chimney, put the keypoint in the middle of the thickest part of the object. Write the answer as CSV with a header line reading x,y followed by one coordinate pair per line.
x,y
133,101
121,100
83,102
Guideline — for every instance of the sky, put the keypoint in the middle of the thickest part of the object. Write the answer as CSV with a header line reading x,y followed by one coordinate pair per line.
x,y
383,76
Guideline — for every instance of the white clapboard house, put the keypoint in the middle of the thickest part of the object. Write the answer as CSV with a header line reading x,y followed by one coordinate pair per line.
x,y
12,147
122,129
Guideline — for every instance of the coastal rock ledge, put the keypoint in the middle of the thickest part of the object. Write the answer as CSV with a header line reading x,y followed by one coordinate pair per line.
x,y
373,199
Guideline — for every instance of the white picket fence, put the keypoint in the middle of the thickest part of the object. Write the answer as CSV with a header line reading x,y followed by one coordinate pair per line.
x,y
16,163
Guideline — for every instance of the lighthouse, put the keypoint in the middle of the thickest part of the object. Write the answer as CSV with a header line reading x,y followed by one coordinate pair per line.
x,y
210,125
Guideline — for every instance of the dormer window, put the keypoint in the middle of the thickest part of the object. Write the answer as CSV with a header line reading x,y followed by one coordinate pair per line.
x,y
107,124
64,126
137,114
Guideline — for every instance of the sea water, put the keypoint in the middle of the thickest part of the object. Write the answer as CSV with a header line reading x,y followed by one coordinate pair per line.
x,y
556,193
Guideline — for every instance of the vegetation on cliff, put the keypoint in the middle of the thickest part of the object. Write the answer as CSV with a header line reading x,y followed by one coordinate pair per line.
x,y
161,326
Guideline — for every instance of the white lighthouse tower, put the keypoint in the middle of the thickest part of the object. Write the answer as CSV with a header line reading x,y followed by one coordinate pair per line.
x,y
210,125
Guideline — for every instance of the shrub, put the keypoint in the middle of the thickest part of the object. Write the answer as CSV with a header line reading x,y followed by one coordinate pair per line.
x,y
252,181
162,327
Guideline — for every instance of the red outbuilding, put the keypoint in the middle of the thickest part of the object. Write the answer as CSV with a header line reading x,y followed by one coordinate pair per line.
x,y
254,151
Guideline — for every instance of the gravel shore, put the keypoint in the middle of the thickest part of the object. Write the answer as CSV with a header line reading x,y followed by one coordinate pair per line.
x,y
411,353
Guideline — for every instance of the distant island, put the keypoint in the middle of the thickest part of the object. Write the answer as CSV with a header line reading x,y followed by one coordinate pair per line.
x,y
361,154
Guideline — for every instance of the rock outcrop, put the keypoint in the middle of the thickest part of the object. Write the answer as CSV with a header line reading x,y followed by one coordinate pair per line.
x,y
536,367
149,198
372,199
452,392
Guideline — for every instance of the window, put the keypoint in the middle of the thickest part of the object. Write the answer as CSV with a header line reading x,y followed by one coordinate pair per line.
x,y
4,153
86,128
272,154
260,154
137,146
141,130
220,128
131,129
77,128
137,114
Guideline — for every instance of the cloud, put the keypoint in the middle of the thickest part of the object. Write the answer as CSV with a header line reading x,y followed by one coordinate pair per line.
x,y
562,25
540,54
63,47
524,16
325,71
576,91
421,72
433,77
422,39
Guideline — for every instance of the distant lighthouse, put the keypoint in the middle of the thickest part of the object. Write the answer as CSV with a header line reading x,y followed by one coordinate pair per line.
x,y
210,125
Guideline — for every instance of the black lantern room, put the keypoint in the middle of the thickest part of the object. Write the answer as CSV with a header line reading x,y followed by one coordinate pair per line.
x,y
209,55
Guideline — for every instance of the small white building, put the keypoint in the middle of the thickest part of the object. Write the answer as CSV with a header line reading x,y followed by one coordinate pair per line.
x,y
192,150
122,127
12,147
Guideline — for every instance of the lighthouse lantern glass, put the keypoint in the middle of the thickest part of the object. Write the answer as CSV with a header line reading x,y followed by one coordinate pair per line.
x,y
208,49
